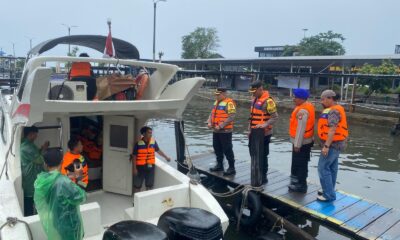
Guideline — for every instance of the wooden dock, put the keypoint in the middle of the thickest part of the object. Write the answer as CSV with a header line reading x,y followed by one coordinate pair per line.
x,y
361,218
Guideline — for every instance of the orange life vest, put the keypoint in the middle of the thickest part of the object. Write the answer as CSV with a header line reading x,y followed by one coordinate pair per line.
x,y
146,152
309,133
80,69
141,81
341,130
219,113
91,149
68,159
258,114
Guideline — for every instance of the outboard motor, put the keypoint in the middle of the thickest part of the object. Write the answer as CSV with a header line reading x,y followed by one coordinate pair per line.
x,y
190,224
134,230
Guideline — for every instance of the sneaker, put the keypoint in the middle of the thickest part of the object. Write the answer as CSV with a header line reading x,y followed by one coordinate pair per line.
x,y
320,192
230,171
218,167
323,199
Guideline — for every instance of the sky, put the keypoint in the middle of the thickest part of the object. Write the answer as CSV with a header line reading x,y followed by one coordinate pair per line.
x,y
369,26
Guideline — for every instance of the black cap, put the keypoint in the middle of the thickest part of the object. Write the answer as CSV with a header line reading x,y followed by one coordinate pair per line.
x,y
219,90
255,85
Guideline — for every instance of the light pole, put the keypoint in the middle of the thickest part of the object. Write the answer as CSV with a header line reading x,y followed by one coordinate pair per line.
x,y
69,34
154,27
304,30
30,42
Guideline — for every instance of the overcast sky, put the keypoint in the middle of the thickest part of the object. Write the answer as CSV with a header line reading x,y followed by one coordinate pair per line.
x,y
369,26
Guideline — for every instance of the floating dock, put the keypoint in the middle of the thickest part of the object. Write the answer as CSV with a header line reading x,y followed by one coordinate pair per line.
x,y
358,217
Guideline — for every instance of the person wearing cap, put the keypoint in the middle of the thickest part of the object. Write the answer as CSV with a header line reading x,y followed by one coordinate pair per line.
x,y
301,131
221,121
263,114
333,133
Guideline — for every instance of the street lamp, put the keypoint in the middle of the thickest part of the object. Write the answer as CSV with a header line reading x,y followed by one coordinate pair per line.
x,y
304,30
154,27
30,42
69,34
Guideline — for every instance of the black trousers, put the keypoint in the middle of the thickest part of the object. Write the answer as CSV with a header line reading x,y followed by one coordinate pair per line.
x,y
29,208
259,149
300,161
222,144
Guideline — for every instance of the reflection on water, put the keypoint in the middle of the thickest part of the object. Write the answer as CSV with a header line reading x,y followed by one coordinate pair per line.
x,y
369,167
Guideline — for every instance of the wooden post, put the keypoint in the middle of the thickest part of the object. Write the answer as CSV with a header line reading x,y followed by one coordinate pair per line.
x,y
257,157
353,91
180,146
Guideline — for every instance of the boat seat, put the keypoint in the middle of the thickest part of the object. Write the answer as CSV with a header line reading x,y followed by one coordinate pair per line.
x,y
91,221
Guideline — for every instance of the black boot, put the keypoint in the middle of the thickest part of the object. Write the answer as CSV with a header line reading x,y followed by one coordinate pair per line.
x,y
298,187
218,167
230,171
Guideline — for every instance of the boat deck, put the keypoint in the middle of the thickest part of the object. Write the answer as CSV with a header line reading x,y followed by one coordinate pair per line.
x,y
112,205
354,215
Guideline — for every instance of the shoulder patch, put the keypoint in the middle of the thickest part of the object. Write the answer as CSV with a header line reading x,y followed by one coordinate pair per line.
x,y
271,106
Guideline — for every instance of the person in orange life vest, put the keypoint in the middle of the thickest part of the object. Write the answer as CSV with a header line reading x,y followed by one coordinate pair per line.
x,y
221,121
82,71
301,131
333,134
143,159
263,114
91,149
75,148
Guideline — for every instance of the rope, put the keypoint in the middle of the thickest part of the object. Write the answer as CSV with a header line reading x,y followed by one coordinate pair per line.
x,y
280,226
12,221
245,193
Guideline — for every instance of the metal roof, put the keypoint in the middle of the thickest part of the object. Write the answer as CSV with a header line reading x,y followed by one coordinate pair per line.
x,y
123,49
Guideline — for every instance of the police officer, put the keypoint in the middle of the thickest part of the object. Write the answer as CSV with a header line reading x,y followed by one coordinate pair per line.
x,y
221,121
301,131
333,133
263,115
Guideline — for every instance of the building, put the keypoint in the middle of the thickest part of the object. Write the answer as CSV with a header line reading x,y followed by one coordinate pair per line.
x,y
270,51
397,49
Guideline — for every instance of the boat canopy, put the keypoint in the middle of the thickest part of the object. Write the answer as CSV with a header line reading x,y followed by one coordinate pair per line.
x,y
123,49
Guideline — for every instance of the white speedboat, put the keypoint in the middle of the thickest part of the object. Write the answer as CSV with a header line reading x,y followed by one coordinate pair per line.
x,y
120,122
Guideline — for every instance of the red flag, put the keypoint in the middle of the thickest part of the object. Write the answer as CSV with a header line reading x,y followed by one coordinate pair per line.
x,y
109,50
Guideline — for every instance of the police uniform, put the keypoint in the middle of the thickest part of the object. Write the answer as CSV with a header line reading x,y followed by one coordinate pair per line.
x,y
263,115
301,132
222,116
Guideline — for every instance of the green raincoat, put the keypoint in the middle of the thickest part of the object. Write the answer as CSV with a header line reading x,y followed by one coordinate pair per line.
x,y
57,201
31,165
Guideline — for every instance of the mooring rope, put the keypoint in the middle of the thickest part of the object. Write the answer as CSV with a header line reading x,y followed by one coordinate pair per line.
x,y
12,221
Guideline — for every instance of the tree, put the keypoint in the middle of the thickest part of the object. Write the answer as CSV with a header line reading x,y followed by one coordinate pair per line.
x,y
323,44
201,43
378,85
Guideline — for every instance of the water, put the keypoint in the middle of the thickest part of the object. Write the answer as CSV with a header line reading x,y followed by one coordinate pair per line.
x,y
369,167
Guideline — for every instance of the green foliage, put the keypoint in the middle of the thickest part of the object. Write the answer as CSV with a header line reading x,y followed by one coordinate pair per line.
x,y
378,85
323,44
201,43
74,52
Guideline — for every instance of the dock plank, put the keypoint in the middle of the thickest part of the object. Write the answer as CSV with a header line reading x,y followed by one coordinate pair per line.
x,y
350,212
360,221
365,219
381,225
392,233
325,209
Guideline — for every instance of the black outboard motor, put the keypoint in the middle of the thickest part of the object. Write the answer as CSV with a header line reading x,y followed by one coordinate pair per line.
x,y
190,224
134,230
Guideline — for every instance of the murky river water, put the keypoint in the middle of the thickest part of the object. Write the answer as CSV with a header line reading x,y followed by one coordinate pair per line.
x,y
369,167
